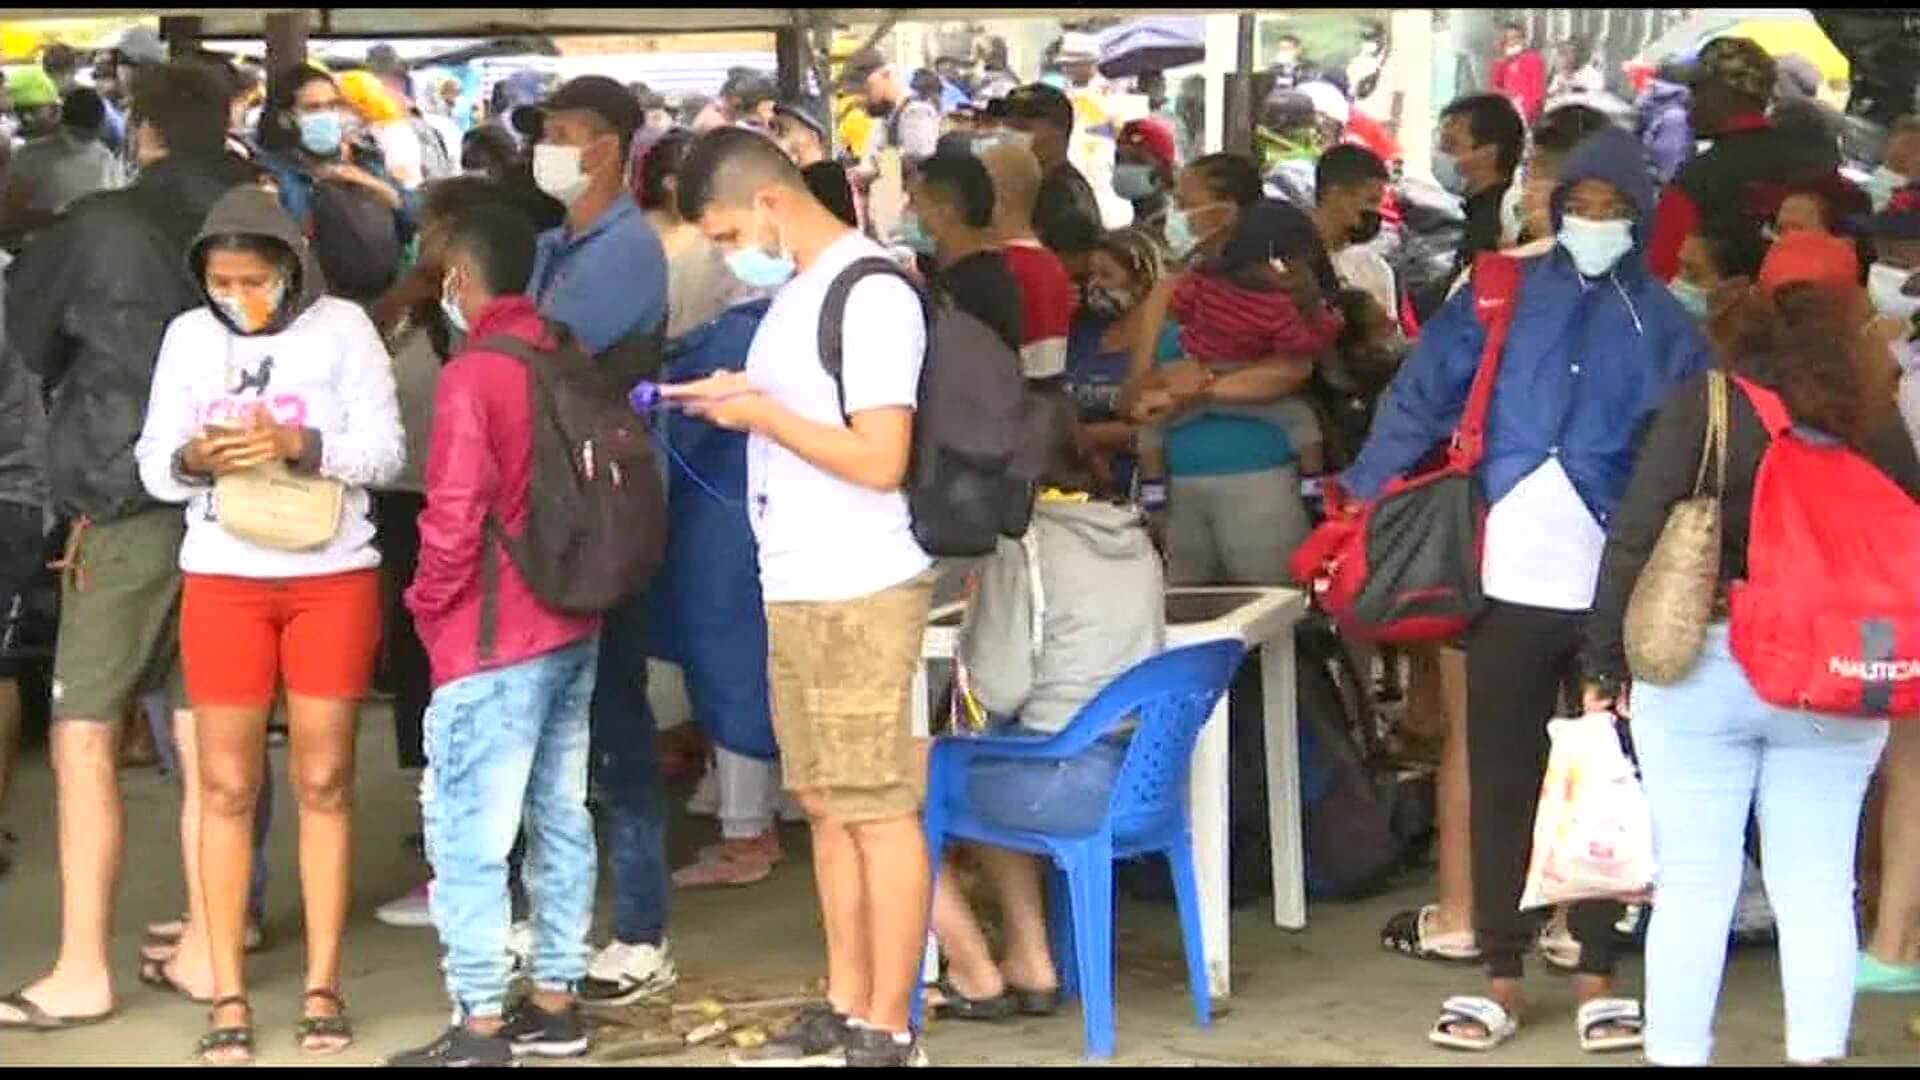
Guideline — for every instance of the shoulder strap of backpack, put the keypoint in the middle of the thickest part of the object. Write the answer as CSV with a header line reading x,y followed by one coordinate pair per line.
x,y
1773,412
833,314
1496,287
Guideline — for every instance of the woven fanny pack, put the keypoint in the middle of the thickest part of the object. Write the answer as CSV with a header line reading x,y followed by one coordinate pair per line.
x,y
275,508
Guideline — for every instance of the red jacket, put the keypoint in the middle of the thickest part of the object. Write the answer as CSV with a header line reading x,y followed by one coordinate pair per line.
x,y
480,462
1523,79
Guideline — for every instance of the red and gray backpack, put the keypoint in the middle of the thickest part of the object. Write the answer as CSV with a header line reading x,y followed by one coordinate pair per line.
x,y
596,512
1828,618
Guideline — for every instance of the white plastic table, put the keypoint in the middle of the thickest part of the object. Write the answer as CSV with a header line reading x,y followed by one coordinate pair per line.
x,y
1264,621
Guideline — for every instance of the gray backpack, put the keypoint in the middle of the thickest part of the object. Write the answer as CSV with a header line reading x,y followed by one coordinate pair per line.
x,y
979,432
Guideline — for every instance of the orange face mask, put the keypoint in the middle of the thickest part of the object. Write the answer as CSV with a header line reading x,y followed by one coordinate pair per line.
x,y
250,312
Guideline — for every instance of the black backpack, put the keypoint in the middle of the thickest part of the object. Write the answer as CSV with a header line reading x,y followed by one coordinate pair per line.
x,y
356,237
978,430
597,515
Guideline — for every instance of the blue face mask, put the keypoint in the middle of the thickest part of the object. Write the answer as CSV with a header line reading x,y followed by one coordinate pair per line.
x,y
322,133
1691,296
760,270
1881,186
1446,172
1134,182
915,236
1596,247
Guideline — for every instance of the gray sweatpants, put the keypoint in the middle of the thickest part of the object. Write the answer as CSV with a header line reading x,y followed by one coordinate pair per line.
x,y
1240,529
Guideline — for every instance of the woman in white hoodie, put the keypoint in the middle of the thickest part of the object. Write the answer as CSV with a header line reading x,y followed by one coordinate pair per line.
x,y
273,379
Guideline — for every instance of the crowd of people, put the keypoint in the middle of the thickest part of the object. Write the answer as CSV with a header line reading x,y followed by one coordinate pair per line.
x,y
277,374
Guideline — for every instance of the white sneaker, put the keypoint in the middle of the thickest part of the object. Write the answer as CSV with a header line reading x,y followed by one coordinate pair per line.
x,y
411,911
706,796
623,974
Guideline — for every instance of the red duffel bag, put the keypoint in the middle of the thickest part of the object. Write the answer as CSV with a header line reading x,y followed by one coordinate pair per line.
x,y
1405,566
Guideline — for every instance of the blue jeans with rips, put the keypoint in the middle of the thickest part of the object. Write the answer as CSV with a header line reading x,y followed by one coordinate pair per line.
x,y
626,769
503,747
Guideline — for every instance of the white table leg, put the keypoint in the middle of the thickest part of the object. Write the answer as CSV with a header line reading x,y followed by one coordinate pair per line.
x,y
1279,711
1208,806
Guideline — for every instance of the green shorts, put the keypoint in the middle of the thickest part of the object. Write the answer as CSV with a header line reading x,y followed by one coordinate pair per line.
x,y
119,616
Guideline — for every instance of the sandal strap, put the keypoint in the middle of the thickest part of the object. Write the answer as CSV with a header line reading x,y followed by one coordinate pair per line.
x,y
1483,1011
326,994
1622,1012
232,1038
236,999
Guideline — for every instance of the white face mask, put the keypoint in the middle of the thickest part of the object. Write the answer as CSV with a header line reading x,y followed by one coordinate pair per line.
x,y
557,170
1884,283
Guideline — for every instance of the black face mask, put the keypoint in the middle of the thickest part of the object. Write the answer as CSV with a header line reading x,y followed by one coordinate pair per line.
x,y
1367,228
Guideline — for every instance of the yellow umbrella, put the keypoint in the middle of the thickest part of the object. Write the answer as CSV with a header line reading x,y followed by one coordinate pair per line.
x,y
1784,37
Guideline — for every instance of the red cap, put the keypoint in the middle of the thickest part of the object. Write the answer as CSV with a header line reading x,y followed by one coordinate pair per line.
x,y
1817,257
1154,135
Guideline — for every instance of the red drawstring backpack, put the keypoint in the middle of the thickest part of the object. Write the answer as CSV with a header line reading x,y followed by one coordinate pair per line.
x,y
1406,566
1828,618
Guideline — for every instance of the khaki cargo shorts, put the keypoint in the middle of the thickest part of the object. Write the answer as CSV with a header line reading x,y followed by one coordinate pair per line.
x,y
119,615
842,677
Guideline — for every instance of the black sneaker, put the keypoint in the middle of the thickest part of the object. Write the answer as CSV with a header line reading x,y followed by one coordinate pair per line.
x,y
457,1048
818,1038
870,1049
535,1032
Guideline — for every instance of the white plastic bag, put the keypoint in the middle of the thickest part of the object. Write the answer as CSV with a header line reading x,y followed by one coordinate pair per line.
x,y
1592,835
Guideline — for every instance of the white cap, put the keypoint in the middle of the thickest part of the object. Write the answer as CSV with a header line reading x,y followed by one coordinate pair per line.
x,y
1078,47
1328,101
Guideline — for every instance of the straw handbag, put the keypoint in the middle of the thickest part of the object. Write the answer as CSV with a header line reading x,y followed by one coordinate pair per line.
x,y
270,506
1672,603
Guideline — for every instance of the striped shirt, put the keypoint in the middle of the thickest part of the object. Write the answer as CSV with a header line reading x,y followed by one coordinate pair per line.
x,y
1224,324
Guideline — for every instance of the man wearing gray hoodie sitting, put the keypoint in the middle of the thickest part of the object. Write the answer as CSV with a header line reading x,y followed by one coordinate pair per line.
x,y
1055,617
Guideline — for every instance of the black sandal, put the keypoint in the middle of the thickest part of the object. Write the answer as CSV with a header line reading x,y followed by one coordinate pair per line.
x,y
229,1038
1036,1002
957,1006
324,1027
153,973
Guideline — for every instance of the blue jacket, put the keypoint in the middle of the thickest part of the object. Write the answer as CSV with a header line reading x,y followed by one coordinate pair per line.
x,y
1588,362
706,607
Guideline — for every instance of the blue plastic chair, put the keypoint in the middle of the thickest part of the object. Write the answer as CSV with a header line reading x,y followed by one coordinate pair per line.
x,y
1172,695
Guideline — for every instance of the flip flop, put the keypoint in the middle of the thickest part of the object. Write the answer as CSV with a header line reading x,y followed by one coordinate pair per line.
x,y
39,1019
1408,933
1610,1012
153,973
1472,1010
1877,977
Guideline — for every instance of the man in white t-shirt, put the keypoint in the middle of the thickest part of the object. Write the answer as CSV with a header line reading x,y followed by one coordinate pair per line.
x,y
847,587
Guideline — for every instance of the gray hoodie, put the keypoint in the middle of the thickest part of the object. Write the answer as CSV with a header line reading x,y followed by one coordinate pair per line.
x,y
1063,611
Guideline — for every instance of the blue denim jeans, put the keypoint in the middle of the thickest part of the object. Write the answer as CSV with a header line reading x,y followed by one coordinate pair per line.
x,y
1709,749
1061,798
626,769
502,747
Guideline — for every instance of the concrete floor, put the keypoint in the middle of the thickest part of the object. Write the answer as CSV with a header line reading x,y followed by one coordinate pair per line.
x,y
1327,996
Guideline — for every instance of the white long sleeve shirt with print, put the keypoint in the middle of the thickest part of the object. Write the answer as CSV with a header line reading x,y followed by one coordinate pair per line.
x,y
328,371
